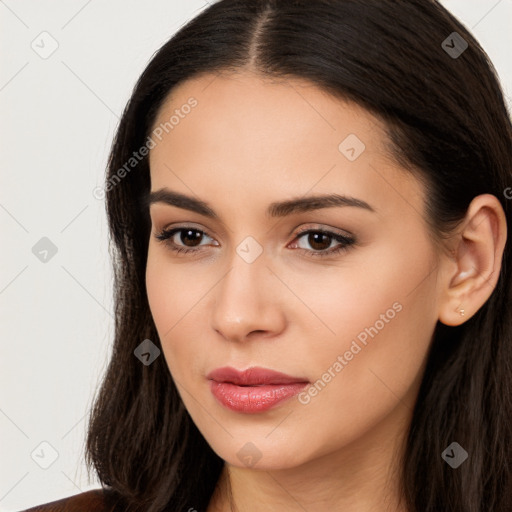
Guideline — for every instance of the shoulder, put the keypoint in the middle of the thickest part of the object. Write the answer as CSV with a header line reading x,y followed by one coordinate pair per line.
x,y
90,501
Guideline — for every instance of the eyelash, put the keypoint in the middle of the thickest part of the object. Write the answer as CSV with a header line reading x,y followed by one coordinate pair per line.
x,y
165,235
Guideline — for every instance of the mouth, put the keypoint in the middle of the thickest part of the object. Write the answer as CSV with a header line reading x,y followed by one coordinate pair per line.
x,y
254,376
253,390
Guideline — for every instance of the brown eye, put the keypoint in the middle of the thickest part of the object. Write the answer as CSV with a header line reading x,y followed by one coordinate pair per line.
x,y
320,242
187,241
190,237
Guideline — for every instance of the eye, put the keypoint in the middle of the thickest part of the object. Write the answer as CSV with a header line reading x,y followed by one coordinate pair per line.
x,y
186,240
320,240
190,237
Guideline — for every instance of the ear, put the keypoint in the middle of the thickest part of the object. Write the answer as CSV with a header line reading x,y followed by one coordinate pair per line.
x,y
470,274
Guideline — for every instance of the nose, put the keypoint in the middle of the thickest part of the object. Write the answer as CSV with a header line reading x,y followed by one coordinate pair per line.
x,y
247,302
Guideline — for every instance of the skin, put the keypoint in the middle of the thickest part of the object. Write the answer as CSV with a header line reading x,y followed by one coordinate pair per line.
x,y
249,142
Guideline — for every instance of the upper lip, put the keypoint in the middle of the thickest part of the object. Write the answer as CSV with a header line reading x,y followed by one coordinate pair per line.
x,y
252,376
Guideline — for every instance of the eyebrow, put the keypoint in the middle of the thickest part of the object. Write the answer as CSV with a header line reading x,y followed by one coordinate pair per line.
x,y
277,209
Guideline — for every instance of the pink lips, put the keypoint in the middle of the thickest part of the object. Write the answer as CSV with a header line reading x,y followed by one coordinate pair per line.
x,y
253,390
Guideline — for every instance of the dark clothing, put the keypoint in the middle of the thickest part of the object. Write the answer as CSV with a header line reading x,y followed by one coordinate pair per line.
x,y
96,500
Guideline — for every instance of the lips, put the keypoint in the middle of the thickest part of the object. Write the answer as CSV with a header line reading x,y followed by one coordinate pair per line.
x,y
254,376
254,390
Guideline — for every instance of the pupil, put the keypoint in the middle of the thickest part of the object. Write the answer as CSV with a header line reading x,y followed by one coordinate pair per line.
x,y
315,240
189,233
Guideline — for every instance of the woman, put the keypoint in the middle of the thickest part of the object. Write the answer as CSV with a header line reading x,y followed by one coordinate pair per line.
x,y
309,203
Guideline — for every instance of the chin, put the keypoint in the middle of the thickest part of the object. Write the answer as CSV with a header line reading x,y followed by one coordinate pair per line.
x,y
260,454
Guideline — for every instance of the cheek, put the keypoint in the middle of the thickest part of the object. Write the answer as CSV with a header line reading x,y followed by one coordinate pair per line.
x,y
174,294
171,287
366,289
382,320
160,287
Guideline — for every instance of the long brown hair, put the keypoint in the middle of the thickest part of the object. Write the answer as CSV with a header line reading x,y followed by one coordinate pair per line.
x,y
446,117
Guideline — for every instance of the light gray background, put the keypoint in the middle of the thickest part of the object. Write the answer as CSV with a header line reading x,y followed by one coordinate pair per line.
x,y
58,118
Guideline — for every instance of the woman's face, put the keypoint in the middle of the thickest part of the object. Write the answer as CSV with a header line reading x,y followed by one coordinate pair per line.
x,y
354,323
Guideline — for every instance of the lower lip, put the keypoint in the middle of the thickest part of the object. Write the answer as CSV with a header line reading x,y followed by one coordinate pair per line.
x,y
253,399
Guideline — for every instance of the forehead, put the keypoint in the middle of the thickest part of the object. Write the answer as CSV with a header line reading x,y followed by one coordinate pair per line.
x,y
260,135
254,109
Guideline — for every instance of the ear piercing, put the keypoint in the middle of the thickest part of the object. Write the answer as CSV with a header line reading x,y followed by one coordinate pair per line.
x,y
461,312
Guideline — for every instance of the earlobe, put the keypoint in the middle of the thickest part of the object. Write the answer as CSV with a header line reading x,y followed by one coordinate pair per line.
x,y
471,273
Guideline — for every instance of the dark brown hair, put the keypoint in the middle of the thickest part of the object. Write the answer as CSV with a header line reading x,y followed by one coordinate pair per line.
x,y
447,122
